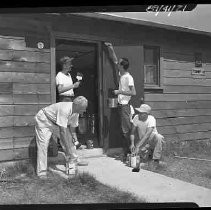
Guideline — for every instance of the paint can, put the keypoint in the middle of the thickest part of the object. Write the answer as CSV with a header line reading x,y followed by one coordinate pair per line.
x,y
135,160
71,168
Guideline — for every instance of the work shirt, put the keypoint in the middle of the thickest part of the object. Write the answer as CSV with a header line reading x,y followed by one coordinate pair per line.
x,y
125,81
61,114
65,80
142,126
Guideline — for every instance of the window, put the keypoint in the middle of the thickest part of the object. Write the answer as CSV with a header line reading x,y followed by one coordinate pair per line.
x,y
151,65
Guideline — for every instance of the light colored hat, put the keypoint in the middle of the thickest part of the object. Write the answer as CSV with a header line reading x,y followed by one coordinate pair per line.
x,y
144,108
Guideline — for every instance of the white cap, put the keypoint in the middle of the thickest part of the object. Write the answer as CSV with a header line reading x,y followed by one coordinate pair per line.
x,y
144,108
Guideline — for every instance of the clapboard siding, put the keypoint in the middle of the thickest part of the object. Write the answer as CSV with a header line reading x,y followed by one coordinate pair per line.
x,y
23,55
181,113
170,64
23,142
187,81
177,97
29,67
24,86
162,105
6,87
20,88
186,89
162,122
23,77
7,154
6,121
189,136
182,74
183,109
6,110
31,99
6,143
194,128
6,98
24,120
25,110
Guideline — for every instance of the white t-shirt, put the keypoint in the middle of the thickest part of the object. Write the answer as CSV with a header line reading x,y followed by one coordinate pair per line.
x,y
142,126
125,81
63,79
61,114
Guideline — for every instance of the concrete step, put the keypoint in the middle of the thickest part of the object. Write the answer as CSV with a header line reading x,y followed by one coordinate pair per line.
x,y
83,154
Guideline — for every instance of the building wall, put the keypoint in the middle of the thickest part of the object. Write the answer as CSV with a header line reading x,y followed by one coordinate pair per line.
x,y
182,105
24,86
183,109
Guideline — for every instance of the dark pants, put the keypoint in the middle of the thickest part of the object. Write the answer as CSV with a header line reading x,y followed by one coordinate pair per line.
x,y
65,98
124,112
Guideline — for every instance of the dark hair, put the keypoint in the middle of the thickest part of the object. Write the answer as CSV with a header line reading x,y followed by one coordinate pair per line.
x,y
125,63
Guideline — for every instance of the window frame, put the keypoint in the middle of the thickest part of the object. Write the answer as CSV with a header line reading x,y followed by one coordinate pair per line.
x,y
157,50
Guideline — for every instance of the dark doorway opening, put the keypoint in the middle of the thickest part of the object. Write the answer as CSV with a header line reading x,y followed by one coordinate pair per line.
x,y
85,62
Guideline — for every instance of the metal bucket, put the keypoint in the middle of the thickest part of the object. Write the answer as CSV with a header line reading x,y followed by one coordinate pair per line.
x,y
112,102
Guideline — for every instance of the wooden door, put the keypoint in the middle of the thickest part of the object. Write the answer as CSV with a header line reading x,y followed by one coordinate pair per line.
x,y
111,121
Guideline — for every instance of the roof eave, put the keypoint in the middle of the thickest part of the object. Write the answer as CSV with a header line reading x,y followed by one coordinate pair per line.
x,y
142,22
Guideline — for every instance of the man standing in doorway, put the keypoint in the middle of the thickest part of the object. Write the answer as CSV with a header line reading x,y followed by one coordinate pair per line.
x,y
124,93
65,87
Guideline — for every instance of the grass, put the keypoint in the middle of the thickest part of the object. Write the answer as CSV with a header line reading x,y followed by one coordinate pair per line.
x,y
192,171
82,188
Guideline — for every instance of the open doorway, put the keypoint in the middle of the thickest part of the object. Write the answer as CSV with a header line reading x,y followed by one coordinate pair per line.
x,y
85,62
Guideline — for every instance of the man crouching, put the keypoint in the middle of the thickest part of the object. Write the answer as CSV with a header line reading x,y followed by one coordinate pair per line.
x,y
47,120
149,140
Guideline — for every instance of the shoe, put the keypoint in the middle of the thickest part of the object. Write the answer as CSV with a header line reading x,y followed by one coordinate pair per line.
x,y
43,177
135,169
82,163
154,165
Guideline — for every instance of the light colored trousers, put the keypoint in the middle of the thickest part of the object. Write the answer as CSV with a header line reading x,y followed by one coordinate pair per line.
x,y
155,144
44,129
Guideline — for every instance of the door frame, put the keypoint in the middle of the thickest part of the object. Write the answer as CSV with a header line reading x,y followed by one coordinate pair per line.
x,y
79,38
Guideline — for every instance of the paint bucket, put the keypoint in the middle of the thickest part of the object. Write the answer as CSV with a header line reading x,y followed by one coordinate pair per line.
x,y
112,102
71,168
135,160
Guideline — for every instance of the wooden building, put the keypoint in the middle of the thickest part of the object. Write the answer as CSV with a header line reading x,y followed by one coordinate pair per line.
x,y
171,67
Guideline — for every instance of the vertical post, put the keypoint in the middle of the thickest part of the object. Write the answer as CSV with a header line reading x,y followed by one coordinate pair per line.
x,y
100,93
53,67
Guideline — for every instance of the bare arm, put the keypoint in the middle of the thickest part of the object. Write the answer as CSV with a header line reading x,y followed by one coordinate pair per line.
x,y
64,139
132,136
145,138
113,56
131,92
73,133
61,88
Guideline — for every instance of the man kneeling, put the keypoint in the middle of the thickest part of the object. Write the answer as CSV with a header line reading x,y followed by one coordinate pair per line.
x,y
149,140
